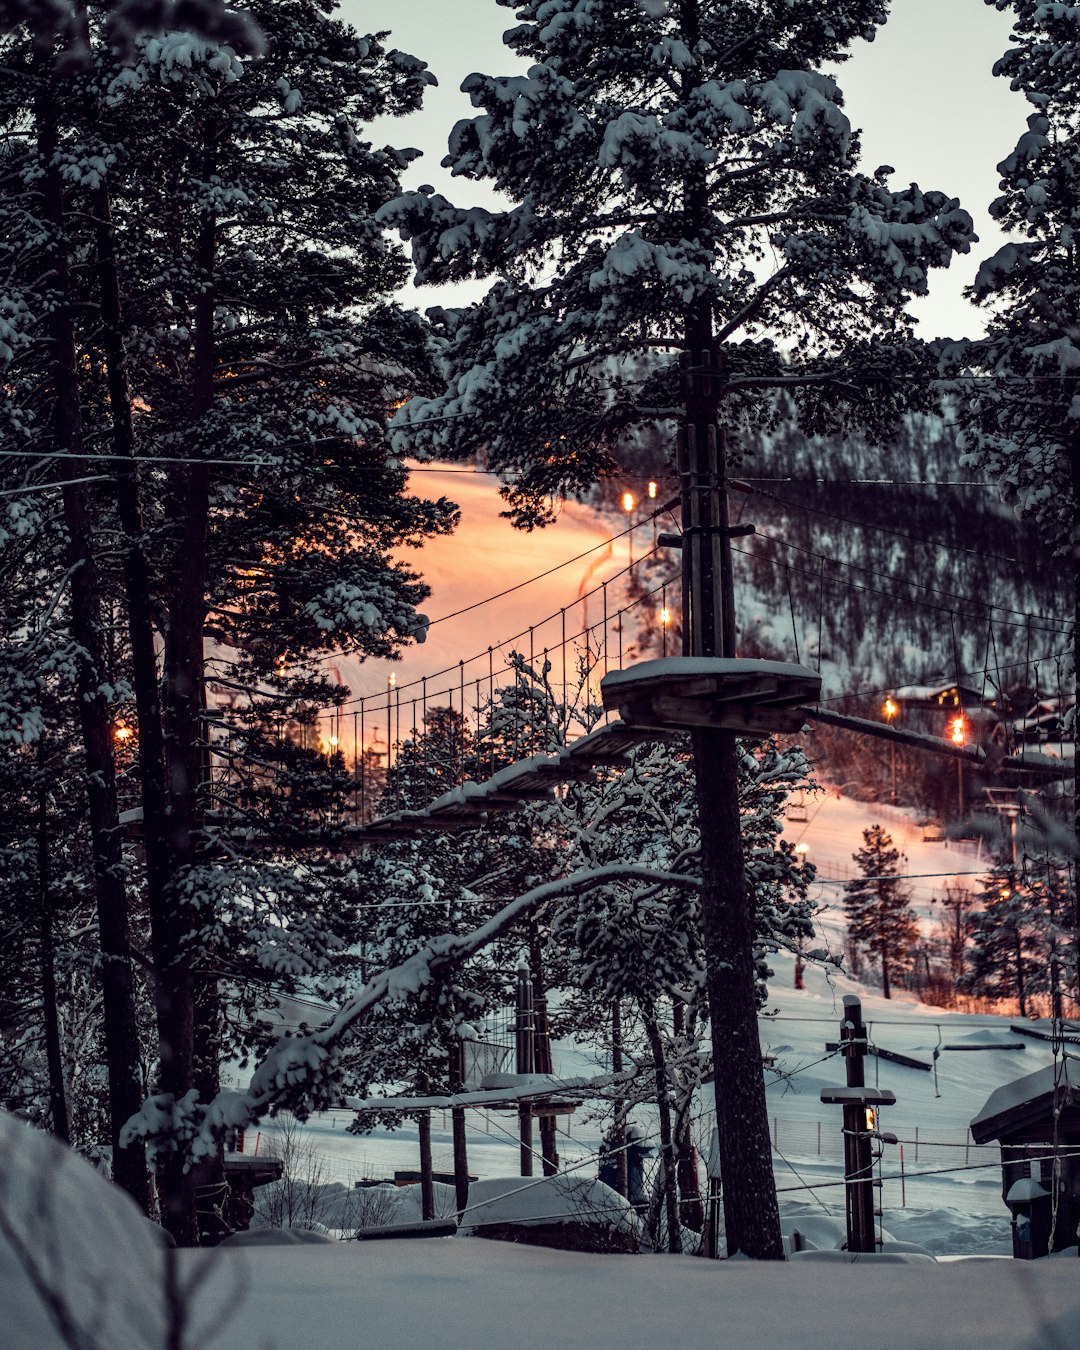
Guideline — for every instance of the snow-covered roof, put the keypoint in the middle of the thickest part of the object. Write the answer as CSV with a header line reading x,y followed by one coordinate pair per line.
x,y
1004,1109
563,1198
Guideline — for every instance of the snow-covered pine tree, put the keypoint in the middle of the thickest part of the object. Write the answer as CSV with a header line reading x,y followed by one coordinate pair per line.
x,y
683,180
261,354
1023,946
881,921
1020,405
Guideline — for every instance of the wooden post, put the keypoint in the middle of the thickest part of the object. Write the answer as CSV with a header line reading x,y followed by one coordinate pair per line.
x,y
427,1179
858,1162
524,1046
542,1059
457,1116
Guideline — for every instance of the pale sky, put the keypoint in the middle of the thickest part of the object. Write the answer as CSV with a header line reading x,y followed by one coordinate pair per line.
x,y
922,93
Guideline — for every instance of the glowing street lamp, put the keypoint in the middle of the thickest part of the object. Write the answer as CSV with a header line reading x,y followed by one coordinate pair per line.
x,y
652,491
628,504
890,708
958,736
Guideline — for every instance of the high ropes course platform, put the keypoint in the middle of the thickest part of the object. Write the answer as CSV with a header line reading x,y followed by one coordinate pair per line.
x,y
657,701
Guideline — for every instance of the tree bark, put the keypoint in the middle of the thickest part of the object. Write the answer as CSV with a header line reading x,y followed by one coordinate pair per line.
x,y
183,705
669,1171
138,591
427,1179
622,1179
691,1209
120,1025
58,1112
751,1211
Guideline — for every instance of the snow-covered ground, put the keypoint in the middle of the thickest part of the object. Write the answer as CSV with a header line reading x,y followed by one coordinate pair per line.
x,y
465,1291
939,1190
99,1275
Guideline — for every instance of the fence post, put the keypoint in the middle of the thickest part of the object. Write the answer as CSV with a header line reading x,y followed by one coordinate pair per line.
x,y
903,1181
819,1138
916,1145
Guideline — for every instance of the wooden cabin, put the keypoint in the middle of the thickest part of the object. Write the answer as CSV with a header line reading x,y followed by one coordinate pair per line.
x,y
1040,1161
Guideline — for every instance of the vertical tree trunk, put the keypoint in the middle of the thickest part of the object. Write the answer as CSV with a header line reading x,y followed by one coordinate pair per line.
x,y
691,1209
1018,952
542,1060
751,1211
427,1178
183,704
58,1112
669,1171
622,1180
138,591
121,1030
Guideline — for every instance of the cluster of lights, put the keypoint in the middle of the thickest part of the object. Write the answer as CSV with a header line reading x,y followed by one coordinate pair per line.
x,y
123,732
629,501
957,730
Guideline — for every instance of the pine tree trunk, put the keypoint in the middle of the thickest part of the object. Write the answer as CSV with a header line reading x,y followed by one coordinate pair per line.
x,y
1018,952
183,704
691,1209
751,1211
138,596
542,1061
118,1001
58,1112
669,1171
622,1179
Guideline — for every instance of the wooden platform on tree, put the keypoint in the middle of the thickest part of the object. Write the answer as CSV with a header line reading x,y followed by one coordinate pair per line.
x,y
751,697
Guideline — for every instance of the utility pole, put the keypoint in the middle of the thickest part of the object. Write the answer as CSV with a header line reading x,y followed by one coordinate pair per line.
x,y
860,1105
751,1213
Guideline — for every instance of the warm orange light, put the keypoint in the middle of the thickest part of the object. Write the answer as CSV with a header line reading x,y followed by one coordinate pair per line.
x,y
652,491
123,732
889,708
665,616
628,501
333,740
957,731
871,1118
391,679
